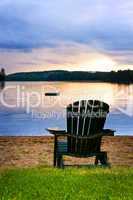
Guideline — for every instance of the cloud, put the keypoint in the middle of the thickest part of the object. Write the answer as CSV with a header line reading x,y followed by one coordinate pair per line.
x,y
72,56
102,26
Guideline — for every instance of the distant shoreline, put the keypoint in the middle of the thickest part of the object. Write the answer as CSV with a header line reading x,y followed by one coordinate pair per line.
x,y
122,77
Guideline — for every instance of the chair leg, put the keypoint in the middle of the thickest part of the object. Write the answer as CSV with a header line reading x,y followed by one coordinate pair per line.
x,y
55,160
103,158
96,160
55,151
60,161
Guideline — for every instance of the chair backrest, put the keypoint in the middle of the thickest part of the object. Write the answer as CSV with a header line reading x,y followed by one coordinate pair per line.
x,y
85,118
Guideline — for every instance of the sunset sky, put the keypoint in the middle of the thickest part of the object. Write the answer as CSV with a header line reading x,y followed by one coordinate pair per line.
x,y
88,35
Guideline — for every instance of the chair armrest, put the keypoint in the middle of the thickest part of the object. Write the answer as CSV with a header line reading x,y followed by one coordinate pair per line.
x,y
57,132
105,132
109,132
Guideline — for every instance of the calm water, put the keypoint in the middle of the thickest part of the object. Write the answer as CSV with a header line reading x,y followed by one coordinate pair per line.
x,y
25,110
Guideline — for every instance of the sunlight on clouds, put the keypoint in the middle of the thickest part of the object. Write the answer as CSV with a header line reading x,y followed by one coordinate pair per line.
x,y
99,62
66,56
73,57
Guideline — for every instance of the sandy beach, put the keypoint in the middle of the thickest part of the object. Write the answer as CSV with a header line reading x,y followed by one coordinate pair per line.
x,y
38,151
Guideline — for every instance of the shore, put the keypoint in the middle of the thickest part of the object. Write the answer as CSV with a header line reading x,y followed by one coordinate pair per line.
x,y
38,151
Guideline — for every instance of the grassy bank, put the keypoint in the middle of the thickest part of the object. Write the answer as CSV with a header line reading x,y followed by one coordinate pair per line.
x,y
72,183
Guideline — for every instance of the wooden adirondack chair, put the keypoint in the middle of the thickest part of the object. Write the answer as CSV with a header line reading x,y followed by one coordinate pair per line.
x,y
85,123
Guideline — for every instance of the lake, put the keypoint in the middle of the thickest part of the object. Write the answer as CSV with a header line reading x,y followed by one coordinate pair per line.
x,y
25,110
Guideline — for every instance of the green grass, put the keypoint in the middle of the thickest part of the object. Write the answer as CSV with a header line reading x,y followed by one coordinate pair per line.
x,y
71,183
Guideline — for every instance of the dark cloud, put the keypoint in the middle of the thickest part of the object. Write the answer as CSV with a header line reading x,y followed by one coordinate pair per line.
x,y
105,26
35,24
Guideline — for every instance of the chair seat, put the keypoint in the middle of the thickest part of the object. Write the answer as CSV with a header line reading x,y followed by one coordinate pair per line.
x,y
62,149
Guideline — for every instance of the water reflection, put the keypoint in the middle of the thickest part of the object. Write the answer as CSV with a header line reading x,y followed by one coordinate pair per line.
x,y
2,85
33,111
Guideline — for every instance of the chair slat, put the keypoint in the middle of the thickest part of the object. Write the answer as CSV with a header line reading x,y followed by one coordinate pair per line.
x,y
85,118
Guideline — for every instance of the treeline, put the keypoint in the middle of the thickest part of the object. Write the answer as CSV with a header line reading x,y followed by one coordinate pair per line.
x,y
125,76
